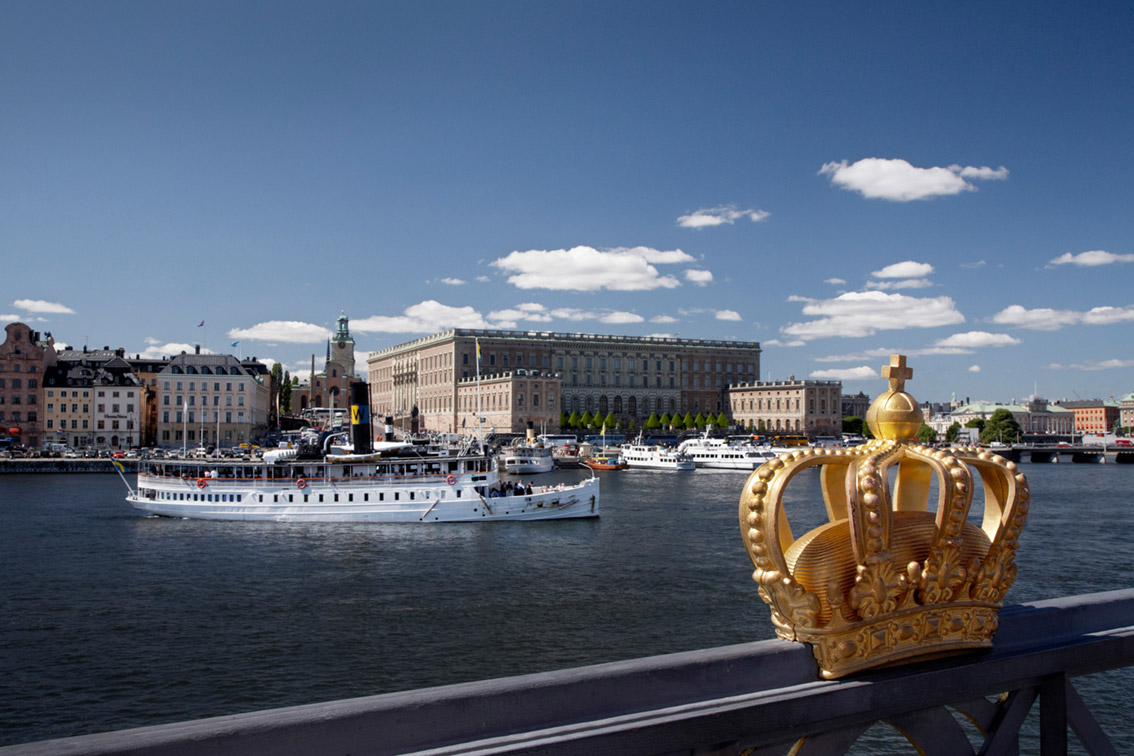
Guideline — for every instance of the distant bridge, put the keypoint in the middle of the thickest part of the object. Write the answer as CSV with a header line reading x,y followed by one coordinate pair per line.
x,y
1076,453
753,699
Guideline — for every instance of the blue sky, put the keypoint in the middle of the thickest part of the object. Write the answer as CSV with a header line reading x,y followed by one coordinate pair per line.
x,y
836,181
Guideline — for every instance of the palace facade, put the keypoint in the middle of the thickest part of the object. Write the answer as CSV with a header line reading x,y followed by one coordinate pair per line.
x,y
427,382
813,408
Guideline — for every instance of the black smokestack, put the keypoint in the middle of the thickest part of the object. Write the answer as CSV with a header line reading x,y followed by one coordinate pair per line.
x,y
388,432
360,417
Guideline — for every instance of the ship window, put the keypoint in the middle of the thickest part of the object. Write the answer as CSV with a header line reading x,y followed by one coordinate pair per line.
x,y
366,497
336,497
411,495
275,498
320,498
396,496
305,498
290,498
350,497
381,497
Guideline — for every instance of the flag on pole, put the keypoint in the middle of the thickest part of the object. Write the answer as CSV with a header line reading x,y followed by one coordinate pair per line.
x,y
118,466
478,351
236,343
200,324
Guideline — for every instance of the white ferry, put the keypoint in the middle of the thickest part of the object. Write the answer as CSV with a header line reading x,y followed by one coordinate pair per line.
x,y
389,482
717,453
654,457
528,457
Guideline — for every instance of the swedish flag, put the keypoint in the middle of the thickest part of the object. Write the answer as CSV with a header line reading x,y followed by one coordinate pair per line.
x,y
118,466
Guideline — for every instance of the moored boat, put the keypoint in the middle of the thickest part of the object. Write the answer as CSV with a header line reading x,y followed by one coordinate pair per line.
x,y
528,457
654,457
386,482
604,462
717,453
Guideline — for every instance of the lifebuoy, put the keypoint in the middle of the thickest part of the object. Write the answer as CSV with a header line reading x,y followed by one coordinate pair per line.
x,y
201,483
451,480
301,484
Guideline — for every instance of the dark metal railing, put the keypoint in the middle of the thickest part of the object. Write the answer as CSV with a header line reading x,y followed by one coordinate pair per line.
x,y
745,700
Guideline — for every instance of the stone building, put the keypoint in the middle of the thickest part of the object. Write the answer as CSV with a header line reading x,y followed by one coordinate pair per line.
x,y
93,399
507,402
1126,411
24,356
813,408
1036,416
211,399
627,376
1094,415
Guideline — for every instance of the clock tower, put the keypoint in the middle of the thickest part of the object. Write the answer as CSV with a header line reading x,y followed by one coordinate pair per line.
x,y
342,347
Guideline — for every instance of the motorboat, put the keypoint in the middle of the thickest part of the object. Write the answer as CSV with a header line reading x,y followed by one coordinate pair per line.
x,y
654,457
709,452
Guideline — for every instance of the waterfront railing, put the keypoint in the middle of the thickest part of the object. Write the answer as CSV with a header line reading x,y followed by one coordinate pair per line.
x,y
753,699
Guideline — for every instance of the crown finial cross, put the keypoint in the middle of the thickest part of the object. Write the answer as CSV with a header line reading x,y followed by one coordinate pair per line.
x,y
897,372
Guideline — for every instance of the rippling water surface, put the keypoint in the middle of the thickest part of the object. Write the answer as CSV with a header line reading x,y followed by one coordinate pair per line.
x,y
112,620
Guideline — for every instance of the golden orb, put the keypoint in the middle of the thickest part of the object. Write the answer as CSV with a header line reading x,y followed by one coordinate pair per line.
x,y
895,415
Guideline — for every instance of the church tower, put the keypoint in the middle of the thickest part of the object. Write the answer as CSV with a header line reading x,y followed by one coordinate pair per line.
x,y
342,347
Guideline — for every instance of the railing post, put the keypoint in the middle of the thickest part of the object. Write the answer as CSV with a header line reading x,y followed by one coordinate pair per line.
x,y
1053,716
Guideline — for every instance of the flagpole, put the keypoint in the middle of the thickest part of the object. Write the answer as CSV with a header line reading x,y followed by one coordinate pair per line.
x,y
479,435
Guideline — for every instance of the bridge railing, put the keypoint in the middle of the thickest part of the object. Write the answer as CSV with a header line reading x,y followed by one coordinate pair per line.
x,y
753,699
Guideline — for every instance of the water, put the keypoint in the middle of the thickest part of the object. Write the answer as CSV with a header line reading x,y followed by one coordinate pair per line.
x,y
112,620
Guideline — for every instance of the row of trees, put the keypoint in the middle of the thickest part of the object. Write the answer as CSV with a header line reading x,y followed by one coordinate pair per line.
x,y
1001,426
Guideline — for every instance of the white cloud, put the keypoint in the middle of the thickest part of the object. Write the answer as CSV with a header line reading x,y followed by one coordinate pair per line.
x,y
861,373
1102,365
423,317
1091,259
974,368
41,307
171,349
483,279
287,331
904,269
1047,319
718,216
699,277
974,265
5,318
588,269
778,343
728,315
977,340
905,283
898,181
864,313
529,311
663,319
622,317
835,282
453,281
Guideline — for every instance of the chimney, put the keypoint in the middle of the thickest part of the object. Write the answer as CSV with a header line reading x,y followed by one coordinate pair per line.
x,y
197,350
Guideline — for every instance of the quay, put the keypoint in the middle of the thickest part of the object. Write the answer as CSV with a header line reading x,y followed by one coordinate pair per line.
x,y
1075,454
757,698
58,465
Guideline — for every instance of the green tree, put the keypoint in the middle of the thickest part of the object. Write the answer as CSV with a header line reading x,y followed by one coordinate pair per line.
x,y
587,419
688,422
564,420
953,432
926,435
608,421
976,422
285,394
721,421
630,425
652,421
853,424
699,421
1002,426
574,421
761,426
665,421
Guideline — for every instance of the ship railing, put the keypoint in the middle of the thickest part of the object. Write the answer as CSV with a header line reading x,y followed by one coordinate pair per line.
x,y
193,482
752,699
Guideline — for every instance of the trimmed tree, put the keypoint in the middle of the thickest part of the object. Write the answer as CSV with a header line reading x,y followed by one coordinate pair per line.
x,y
652,421
1002,426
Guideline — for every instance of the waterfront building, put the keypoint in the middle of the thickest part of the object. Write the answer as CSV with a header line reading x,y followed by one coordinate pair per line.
x,y
1036,416
629,377
331,387
507,402
93,399
212,399
856,405
1094,415
810,407
1126,411
24,356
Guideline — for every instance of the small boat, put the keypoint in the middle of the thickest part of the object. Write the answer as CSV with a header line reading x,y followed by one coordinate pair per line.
x,y
717,453
385,482
528,457
604,463
654,457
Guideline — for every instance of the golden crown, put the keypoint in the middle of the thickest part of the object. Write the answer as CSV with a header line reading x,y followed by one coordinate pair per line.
x,y
885,579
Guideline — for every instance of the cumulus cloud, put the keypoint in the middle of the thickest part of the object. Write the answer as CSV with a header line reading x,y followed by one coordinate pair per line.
x,y
719,216
864,313
977,340
699,277
287,331
663,319
1091,259
904,269
423,317
6,318
899,181
622,317
974,368
905,283
835,281
453,281
974,265
778,343
727,315
156,350
41,307
1048,319
529,311
861,373
588,269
